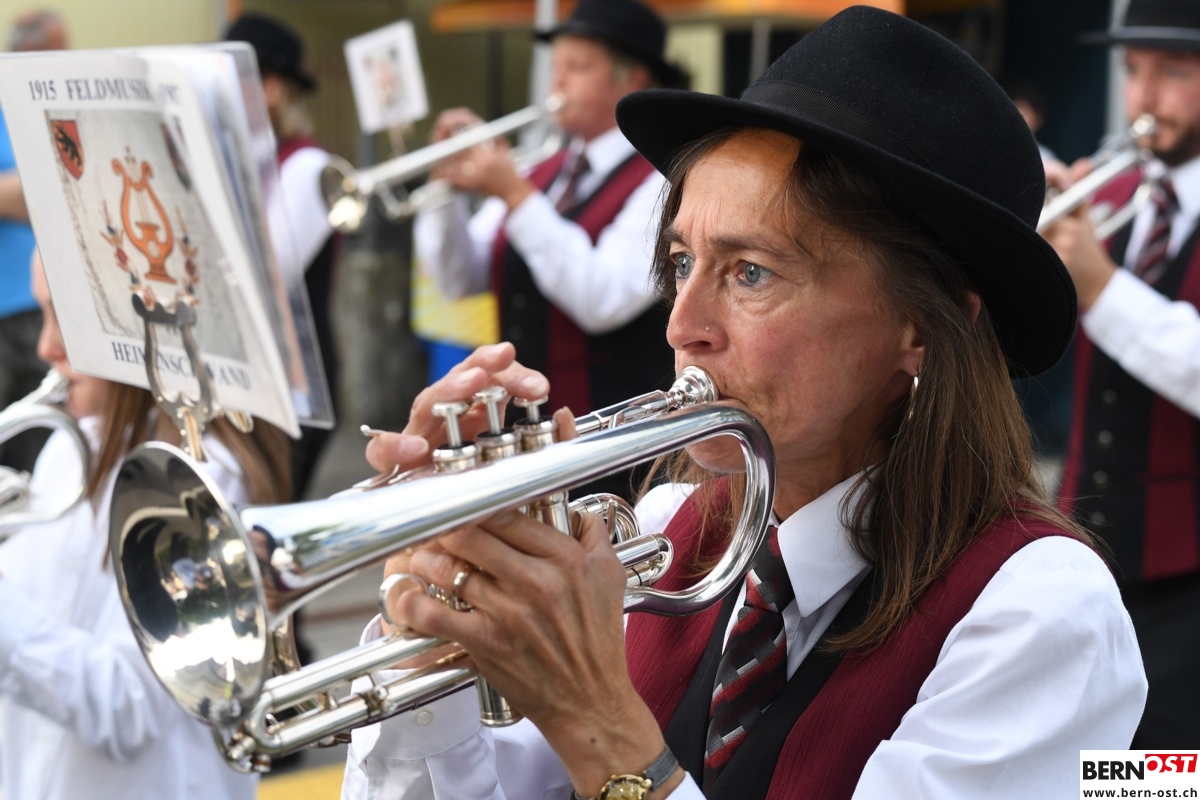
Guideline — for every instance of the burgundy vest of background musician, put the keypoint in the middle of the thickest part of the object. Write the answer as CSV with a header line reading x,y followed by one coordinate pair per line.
x,y
1132,473
585,371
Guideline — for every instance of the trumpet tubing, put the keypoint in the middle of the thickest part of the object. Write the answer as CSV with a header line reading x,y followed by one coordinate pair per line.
x,y
205,583
348,191
1110,163
36,410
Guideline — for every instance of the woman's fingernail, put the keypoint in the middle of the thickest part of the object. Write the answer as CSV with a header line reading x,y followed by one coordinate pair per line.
x,y
411,447
534,384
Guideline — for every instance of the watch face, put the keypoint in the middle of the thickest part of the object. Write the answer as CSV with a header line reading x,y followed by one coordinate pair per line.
x,y
626,787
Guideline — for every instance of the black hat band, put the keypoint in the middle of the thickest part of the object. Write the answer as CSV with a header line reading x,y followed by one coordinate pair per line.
x,y
830,112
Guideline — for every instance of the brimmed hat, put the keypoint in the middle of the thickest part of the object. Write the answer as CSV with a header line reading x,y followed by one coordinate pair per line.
x,y
277,47
628,26
915,113
1155,24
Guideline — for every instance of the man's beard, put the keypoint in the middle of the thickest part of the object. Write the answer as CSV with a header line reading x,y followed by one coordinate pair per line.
x,y
1184,150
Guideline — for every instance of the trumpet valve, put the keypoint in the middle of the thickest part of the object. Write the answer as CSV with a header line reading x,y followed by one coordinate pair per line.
x,y
454,456
498,442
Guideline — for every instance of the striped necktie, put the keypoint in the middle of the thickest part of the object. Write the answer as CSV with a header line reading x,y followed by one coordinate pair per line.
x,y
753,668
575,170
1152,261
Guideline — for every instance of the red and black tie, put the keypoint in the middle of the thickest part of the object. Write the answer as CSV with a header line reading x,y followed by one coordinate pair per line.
x,y
754,666
1152,261
575,170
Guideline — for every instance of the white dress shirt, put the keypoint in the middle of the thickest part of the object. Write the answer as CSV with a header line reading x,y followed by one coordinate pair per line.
x,y
84,716
1153,338
1043,665
297,216
600,286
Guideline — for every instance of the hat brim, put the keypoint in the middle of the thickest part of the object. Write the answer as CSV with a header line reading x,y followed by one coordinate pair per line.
x,y
667,74
1154,38
1019,276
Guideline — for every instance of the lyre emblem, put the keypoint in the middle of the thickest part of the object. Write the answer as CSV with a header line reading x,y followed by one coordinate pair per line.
x,y
143,217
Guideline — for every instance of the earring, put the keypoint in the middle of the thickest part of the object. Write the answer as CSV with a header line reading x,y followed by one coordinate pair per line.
x,y
912,396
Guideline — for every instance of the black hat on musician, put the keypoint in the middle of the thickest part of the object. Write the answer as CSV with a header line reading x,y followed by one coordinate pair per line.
x,y
919,116
628,26
278,48
1156,25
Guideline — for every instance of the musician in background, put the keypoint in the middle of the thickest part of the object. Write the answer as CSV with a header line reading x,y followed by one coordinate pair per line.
x,y
567,248
84,715
1133,465
920,621
305,243
20,321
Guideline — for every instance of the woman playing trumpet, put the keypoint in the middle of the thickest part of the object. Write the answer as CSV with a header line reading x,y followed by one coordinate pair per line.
x,y
853,260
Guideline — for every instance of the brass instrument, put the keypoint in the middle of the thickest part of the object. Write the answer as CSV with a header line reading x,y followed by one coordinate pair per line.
x,y
1109,162
205,584
348,191
36,410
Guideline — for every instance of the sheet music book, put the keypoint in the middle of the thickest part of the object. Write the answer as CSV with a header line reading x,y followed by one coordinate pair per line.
x,y
138,180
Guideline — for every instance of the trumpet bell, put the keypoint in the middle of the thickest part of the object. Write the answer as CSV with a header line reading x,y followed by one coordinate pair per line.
x,y
190,583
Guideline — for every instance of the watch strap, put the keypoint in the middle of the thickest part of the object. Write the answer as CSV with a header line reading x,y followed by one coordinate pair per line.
x,y
657,773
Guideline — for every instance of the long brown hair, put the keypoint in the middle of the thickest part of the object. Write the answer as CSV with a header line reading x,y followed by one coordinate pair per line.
x,y
958,452
128,420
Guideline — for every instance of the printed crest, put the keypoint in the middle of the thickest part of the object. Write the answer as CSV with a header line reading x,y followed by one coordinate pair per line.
x,y
70,147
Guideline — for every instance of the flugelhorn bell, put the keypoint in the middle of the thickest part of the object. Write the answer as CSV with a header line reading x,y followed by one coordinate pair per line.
x,y
204,583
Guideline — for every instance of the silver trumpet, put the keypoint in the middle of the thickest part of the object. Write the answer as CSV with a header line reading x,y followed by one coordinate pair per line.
x,y
348,191
1110,162
206,584
37,410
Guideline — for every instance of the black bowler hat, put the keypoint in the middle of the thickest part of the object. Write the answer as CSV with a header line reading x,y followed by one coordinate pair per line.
x,y
915,113
628,26
1155,24
277,47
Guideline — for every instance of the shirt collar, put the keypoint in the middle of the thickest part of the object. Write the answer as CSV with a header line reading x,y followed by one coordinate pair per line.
x,y
1186,180
816,549
604,153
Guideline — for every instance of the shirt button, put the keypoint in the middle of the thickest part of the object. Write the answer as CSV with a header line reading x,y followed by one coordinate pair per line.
x,y
515,333
1109,397
1097,518
1100,478
517,301
422,717
1104,438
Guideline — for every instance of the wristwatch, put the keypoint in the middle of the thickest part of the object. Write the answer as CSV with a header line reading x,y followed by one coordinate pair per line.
x,y
637,787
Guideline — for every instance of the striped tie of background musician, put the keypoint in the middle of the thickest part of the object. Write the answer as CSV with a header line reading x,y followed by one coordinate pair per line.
x,y
575,170
1153,259
753,668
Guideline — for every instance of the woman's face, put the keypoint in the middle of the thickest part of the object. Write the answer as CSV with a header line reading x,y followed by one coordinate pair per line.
x,y
85,395
786,315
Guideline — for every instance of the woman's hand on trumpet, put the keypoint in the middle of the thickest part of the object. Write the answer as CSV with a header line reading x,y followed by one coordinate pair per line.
x,y
546,630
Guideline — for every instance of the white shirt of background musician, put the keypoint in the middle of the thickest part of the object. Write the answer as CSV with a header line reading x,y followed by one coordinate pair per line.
x,y
84,717
1043,665
601,287
297,217
1153,338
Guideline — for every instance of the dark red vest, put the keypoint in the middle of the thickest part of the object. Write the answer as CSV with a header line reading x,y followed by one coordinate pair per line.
x,y
862,702
585,371
1132,472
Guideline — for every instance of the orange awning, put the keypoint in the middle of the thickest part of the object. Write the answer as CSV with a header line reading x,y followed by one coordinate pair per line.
x,y
457,16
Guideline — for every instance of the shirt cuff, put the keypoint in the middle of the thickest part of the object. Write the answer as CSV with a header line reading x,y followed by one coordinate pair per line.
x,y
527,223
1115,320
19,620
423,732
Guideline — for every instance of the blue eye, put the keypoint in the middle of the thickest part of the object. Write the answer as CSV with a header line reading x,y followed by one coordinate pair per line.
x,y
753,274
683,265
